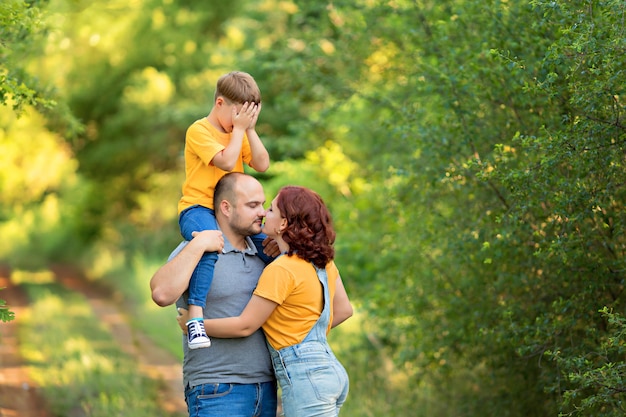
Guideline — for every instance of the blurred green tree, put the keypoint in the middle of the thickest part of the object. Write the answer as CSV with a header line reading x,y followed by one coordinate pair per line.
x,y
472,153
20,26
505,186
491,141
21,30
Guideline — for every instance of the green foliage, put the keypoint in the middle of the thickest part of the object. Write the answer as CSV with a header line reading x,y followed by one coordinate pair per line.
x,y
495,191
40,193
472,153
5,313
595,381
20,29
566,198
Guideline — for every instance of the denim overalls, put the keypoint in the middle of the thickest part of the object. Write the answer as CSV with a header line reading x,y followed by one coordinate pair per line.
x,y
313,381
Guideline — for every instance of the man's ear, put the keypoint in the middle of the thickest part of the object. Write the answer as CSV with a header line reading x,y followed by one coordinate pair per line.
x,y
225,208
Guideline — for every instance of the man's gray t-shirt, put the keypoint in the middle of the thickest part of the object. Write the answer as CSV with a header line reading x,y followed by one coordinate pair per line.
x,y
242,360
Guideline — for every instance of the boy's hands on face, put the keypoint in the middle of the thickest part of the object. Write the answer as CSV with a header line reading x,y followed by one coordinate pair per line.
x,y
243,118
256,117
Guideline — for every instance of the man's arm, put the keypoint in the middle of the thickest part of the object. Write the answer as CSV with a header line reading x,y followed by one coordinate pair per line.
x,y
172,279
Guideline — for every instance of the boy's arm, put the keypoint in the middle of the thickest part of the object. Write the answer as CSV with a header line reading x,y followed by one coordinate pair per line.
x,y
228,157
260,157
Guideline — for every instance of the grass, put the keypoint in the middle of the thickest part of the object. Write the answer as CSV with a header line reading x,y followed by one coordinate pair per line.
x,y
75,360
159,323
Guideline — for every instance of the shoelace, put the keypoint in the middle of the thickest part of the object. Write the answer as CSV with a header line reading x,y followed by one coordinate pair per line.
x,y
194,329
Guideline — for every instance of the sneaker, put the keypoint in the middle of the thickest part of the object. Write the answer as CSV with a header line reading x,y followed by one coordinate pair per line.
x,y
196,335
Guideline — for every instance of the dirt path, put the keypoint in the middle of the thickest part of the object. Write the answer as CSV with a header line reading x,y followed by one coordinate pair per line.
x,y
18,395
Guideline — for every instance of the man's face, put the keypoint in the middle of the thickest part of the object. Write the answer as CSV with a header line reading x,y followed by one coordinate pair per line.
x,y
248,212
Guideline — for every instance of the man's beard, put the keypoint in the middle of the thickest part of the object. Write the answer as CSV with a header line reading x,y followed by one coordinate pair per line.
x,y
245,230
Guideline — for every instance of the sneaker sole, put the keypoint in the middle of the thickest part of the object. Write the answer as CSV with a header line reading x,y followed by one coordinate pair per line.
x,y
199,345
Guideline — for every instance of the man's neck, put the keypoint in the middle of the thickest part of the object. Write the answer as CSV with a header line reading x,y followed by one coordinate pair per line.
x,y
239,243
236,240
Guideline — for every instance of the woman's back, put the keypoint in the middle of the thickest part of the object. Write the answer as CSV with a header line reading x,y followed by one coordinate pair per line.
x,y
293,284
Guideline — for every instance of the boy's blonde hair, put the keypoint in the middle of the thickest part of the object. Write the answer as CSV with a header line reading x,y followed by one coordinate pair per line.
x,y
238,87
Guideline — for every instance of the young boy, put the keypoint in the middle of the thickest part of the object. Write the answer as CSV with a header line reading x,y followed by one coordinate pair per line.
x,y
215,145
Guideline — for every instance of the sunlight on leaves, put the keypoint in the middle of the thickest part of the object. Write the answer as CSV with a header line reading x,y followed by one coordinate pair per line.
x,y
149,87
336,164
32,277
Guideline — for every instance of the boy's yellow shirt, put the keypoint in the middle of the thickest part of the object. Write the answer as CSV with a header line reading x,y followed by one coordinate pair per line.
x,y
202,142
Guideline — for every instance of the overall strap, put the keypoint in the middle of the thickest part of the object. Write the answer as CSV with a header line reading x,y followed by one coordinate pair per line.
x,y
318,332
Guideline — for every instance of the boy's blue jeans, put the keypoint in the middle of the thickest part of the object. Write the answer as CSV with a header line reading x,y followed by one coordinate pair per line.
x,y
233,400
197,218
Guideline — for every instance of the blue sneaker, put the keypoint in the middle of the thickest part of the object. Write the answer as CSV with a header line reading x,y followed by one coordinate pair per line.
x,y
196,335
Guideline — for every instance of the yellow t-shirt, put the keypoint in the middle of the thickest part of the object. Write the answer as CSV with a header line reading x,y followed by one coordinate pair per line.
x,y
202,142
292,283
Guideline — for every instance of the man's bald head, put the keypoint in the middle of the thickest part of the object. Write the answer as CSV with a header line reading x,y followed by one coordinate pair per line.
x,y
225,189
236,186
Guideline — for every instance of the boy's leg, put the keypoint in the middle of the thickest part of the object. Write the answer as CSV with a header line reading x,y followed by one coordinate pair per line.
x,y
198,218
258,242
199,286
200,281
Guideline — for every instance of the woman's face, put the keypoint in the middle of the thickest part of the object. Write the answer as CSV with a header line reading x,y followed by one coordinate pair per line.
x,y
274,221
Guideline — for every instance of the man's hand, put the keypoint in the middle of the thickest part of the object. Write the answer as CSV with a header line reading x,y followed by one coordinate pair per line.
x,y
245,116
183,318
212,240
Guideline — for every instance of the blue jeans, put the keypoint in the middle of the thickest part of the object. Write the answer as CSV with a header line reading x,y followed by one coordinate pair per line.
x,y
195,219
233,400
313,381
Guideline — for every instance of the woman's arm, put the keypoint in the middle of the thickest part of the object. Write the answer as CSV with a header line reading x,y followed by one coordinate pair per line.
x,y
172,279
342,309
251,319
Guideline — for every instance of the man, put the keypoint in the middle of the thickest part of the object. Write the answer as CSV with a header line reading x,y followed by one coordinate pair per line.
x,y
234,377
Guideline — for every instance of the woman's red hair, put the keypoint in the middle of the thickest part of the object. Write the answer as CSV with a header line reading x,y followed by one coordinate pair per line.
x,y
309,231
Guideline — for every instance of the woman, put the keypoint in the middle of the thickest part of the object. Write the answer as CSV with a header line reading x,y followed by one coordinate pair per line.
x,y
299,297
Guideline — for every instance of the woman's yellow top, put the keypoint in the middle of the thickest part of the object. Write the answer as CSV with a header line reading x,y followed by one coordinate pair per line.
x,y
292,283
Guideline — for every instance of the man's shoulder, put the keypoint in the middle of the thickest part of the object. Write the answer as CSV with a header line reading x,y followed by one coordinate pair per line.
x,y
178,249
